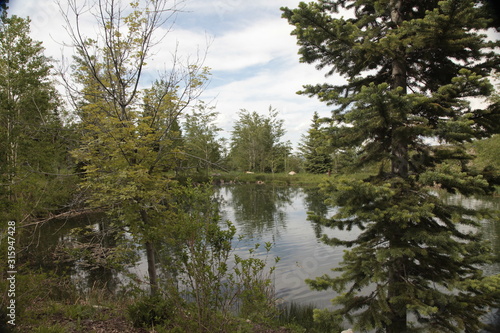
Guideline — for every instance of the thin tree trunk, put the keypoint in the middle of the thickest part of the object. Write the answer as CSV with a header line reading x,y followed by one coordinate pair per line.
x,y
398,313
153,282
399,148
151,259
399,167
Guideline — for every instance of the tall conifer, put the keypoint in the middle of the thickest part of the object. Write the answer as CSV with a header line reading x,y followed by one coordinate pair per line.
x,y
410,68
313,148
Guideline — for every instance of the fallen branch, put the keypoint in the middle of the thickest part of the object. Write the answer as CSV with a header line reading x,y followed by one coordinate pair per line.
x,y
68,214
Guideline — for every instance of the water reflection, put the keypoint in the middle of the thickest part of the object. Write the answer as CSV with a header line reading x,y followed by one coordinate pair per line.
x,y
263,213
490,226
279,215
314,201
257,208
77,247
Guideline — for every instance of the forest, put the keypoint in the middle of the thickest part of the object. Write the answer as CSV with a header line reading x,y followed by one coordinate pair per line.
x,y
138,164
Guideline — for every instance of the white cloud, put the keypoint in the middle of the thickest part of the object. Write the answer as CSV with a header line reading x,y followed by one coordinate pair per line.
x,y
256,44
276,88
228,9
247,45
253,58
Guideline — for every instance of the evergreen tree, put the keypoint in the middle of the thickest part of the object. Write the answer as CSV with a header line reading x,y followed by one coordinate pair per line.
x,y
410,67
314,150
33,141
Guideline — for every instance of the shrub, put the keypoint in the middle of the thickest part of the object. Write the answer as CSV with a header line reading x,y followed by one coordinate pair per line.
x,y
151,311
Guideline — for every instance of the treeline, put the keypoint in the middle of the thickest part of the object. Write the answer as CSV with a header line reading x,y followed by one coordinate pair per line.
x,y
255,145
48,148
121,153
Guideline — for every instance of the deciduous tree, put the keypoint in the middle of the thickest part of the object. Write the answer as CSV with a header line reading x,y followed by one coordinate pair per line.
x,y
129,134
256,142
33,151
201,141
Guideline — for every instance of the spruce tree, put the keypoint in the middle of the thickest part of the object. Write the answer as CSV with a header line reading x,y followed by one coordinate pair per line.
x,y
314,150
410,67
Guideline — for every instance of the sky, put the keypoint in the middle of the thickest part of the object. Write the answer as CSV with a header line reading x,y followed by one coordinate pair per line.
x,y
252,56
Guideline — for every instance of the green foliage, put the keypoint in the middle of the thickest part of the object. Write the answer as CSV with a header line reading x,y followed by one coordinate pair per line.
x,y
256,142
314,149
151,311
35,171
306,317
204,149
201,259
203,284
78,311
254,286
409,68
487,160
130,137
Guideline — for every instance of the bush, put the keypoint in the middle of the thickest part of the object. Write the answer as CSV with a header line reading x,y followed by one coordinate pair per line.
x,y
151,311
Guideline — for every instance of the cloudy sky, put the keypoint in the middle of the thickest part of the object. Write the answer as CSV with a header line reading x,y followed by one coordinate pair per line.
x,y
252,56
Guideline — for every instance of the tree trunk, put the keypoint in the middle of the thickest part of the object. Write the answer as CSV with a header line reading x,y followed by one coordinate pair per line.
x,y
398,313
399,167
153,282
399,152
150,255
399,148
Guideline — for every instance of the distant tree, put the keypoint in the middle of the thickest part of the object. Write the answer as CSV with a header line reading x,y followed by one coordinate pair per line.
x,y
202,145
33,142
129,136
314,148
255,142
294,162
485,150
410,67
279,157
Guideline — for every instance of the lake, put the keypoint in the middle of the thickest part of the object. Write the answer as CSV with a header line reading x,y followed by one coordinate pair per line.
x,y
262,213
266,213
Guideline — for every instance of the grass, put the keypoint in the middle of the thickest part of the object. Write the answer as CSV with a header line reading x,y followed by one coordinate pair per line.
x,y
235,177
50,329
51,304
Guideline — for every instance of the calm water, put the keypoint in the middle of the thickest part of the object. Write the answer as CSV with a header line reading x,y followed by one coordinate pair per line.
x,y
279,215
264,213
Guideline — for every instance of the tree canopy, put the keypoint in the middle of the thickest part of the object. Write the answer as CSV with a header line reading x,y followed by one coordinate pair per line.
x,y
129,135
410,67
205,149
256,142
33,143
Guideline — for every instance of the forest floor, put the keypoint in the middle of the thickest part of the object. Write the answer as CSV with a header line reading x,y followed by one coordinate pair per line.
x,y
58,318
